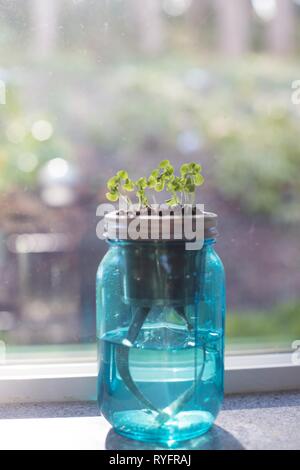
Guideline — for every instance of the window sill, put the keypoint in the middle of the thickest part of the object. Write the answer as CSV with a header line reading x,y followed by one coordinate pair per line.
x,y
245,422
71,382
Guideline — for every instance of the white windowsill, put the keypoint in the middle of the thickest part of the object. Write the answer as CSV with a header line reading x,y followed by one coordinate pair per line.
x,y
72,382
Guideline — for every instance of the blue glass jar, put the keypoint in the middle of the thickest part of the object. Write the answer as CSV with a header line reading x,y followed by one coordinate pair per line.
x,y
160,329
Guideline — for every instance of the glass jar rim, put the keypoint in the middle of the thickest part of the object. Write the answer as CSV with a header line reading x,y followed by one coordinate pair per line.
x,y
117,227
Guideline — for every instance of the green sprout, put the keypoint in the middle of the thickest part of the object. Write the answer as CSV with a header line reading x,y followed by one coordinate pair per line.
x,y
191,177
141,185
161,176
182,188
118,185
175,186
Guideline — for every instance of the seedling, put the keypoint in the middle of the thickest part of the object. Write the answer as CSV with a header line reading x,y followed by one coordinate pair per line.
x,y
182,189
191,177
118,186
152,274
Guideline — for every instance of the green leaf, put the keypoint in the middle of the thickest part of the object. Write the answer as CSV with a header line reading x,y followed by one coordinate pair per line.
x,y
113,197
128,185
152,181
112,184
155,174
142,183
177,183
184,169
195,168
172,202
169,171
160,186
122,175
190,168
165,164
198,179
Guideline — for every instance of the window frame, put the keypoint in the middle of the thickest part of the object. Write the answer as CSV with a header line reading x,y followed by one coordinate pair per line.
x,y
77,382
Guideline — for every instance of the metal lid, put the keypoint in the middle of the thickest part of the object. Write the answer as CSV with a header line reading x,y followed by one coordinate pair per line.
x,y
142,226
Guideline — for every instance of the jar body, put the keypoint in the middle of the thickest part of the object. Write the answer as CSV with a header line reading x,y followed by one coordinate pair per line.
x,y
160,329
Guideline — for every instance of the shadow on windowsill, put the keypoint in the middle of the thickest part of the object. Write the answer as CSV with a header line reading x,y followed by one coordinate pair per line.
x,y
215,439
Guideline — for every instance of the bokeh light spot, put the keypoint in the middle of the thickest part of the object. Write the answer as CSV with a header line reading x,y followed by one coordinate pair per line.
x,y
176,7
27,162
57,168
42,130
16,133
265,9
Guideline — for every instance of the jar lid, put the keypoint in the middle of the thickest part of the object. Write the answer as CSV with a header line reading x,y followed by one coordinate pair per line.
x,y
144,226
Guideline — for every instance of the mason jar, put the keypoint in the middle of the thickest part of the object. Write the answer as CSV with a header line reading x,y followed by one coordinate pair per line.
x,y
160,330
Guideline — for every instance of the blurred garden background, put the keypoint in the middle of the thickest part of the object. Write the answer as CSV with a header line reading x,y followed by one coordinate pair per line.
x,y
96,85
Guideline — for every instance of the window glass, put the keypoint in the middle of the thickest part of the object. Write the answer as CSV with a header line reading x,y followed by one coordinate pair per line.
x,y
88,87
